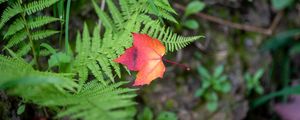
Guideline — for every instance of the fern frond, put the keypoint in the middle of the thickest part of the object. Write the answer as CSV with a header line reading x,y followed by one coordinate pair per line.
x,y
92,103
172,41
15,27
105,65
40,21
164,4
126,10
10,12
96,71
96,40
17,38
115,13
36,6
160,8
41,34
105,19
23,50
91,56
20,33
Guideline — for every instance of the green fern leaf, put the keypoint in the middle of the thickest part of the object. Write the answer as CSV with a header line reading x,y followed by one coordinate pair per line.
x,y
10,12
17,38
41,34
115,13
95,69
164,4
36,6
40,21
96,40
15,27
105,65
23,50
92,103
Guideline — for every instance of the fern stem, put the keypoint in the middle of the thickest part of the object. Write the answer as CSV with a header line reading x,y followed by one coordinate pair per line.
x,y
34,52
67,45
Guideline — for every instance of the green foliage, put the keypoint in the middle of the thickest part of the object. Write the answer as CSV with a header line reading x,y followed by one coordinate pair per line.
x,y
252,82
141,22
191,24
281,4
281,40
96,53
94,56
281,46
160,8
58,90
25,28
284,92
194,7
147,114
98,102
211,86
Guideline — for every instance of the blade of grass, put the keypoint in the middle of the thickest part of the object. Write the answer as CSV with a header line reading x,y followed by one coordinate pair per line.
x,y
60,11
283,92
67,45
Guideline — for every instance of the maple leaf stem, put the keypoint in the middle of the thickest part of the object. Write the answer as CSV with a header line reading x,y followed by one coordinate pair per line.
x,y
177,64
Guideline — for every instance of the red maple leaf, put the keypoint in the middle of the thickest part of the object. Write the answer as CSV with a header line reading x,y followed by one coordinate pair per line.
x,y
144,56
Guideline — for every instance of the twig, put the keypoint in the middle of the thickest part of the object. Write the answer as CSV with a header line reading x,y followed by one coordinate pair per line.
x,y
102,8
245,27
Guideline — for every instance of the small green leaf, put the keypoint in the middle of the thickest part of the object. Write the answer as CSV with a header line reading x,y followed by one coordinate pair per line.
x,y
191,24
218,71
146,115
259,90
258,74
226,87
211,96
21,109
167,116
199,92
194,7
203,72
281,4
212,106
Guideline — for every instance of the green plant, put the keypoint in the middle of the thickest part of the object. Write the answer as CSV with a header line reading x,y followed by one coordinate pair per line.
x,y
253,83
192,8
212,85
24,29
84,86
282,46
147,114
